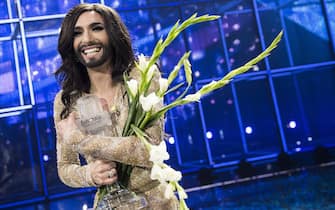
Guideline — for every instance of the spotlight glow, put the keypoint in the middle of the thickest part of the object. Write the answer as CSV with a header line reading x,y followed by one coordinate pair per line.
x,y
221,134
309,138
209,135
45,158
197,74
255,68
292,124
236,42
236,26
85,207
298,149
298,142
158,26
116,3
171,140
248,130
190,139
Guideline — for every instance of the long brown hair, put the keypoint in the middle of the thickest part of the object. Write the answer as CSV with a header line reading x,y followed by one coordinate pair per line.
x,y
72,75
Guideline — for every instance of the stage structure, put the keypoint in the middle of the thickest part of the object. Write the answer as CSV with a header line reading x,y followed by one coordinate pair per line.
x,y
284,105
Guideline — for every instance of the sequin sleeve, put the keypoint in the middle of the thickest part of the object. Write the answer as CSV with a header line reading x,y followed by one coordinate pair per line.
x,y
129,150
70,171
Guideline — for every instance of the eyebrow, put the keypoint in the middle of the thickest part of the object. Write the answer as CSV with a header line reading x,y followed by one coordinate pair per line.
x,y
91,25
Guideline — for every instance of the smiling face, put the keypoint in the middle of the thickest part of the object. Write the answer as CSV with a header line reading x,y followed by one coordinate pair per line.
x,y
90,42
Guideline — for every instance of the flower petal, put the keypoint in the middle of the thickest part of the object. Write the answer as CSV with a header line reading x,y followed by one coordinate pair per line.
x,y
133,86
148,102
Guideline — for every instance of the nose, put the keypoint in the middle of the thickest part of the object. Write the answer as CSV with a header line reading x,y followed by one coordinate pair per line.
x,y
86,36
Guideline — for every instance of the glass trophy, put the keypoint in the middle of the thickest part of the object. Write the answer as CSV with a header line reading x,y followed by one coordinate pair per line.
x,y
95,119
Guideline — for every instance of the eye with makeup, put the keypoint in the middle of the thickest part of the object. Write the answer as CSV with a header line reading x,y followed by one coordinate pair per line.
x,y
76,33
98,28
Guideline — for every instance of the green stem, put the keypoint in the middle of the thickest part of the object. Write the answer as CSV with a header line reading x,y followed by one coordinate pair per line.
x,y
184,93
174,88
130,115
145,120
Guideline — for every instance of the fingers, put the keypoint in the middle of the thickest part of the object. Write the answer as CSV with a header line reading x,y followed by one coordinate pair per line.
x,y
105,178
110,163
103,165
111,173
66,126
104,172
111,177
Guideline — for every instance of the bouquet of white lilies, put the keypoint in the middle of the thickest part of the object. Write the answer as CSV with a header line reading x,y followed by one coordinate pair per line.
x,y
142,104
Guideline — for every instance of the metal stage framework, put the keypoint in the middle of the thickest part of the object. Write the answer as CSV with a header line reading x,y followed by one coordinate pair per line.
x,y
285,104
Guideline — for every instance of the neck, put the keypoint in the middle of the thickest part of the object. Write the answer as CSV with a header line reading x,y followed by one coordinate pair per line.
x,y
101,80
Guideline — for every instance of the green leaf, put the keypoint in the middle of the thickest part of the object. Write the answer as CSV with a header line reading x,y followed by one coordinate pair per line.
x,y
174,88
173,74
240,70
141,135
131,115
188,71
174,32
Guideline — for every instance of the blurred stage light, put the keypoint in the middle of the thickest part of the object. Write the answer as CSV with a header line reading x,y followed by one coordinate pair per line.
x,y
171,140
209,135
292,124
221,133
236,42
197,74
248,130
236,26
190,139
45,158
85,207
255,68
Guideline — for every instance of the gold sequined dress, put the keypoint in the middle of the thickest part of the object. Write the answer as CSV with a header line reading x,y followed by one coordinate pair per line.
x,y
129,150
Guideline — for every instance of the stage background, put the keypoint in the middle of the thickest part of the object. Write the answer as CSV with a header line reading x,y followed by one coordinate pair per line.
x,y
283,107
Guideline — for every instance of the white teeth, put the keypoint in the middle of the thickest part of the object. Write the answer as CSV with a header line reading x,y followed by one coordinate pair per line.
x,y
92,50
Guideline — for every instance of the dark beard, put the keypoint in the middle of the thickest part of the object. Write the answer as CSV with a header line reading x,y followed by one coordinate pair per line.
x,y
96,62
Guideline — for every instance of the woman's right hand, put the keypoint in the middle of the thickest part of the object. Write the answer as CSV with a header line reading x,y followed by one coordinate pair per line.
x,y
66,128
103,172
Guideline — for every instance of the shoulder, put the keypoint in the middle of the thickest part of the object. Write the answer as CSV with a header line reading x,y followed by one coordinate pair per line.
x,y
58,105
58,97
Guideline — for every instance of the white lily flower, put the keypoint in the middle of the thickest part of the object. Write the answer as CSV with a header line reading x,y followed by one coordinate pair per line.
x,y
142,62
133,86
163,85
148,102
169,174
182,194
168,191
157,173
158,153
151,72
193,97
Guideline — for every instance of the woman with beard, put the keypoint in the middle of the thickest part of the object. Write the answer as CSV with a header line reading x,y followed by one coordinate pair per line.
x,y
96,50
